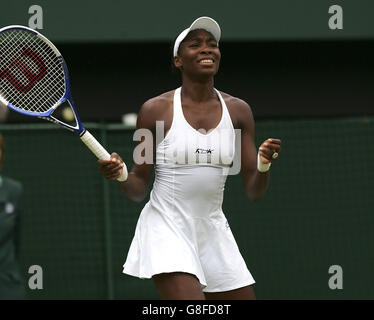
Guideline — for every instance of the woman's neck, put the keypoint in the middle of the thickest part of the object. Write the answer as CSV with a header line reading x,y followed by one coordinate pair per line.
x,y
198,91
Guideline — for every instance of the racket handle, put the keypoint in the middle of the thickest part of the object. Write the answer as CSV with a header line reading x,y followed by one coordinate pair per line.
x,y
99,151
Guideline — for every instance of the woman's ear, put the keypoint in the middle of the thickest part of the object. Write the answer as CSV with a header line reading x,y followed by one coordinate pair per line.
x,y
177,62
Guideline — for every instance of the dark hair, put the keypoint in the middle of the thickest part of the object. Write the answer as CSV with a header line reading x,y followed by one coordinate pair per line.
x,y
173,68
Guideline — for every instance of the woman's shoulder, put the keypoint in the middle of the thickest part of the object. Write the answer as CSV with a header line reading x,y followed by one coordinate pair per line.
x,y
238,108
234,101
156,109
159,101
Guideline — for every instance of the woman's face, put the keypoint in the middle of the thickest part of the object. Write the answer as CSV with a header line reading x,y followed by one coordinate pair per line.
x,y
198,54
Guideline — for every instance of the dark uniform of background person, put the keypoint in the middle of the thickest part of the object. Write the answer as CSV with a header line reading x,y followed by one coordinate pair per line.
x,y
12,284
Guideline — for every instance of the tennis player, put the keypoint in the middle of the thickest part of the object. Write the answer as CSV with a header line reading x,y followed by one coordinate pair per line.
x,y
182,239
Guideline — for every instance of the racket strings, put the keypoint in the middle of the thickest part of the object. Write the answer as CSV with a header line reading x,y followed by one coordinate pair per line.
x,y
20,72
29,102
31,74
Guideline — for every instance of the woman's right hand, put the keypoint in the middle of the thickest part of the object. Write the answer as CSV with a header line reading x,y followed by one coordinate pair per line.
x,y
111,169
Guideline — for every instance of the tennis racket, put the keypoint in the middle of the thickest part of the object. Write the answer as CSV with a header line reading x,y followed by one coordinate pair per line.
x,y
34,81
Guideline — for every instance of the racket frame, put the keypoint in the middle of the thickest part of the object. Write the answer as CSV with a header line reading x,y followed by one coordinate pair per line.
x,y
47,115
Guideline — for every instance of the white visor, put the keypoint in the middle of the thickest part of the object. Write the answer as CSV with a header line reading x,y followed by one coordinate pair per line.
x,y
204,23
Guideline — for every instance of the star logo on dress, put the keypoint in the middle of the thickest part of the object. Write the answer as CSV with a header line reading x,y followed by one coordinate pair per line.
x,y
9,208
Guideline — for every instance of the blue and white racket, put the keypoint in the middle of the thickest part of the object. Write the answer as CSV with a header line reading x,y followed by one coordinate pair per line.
x,y
34,81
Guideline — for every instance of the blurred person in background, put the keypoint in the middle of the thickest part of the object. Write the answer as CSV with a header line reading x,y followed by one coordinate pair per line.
x,y
3,112
11,282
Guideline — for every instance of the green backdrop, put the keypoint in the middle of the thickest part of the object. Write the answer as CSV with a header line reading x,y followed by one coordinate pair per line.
x,y
317,212
149,20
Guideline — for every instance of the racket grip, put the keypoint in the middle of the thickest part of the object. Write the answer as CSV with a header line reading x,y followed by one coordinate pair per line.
x,y
99,151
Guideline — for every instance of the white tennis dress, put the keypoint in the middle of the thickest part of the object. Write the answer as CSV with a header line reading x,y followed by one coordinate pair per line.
x,y
182,228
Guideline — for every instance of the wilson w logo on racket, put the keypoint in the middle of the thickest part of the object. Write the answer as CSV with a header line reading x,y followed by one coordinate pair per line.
x,y
18,67
34,81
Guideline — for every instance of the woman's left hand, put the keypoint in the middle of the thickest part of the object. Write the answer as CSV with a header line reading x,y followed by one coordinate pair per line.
x,y
269,150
